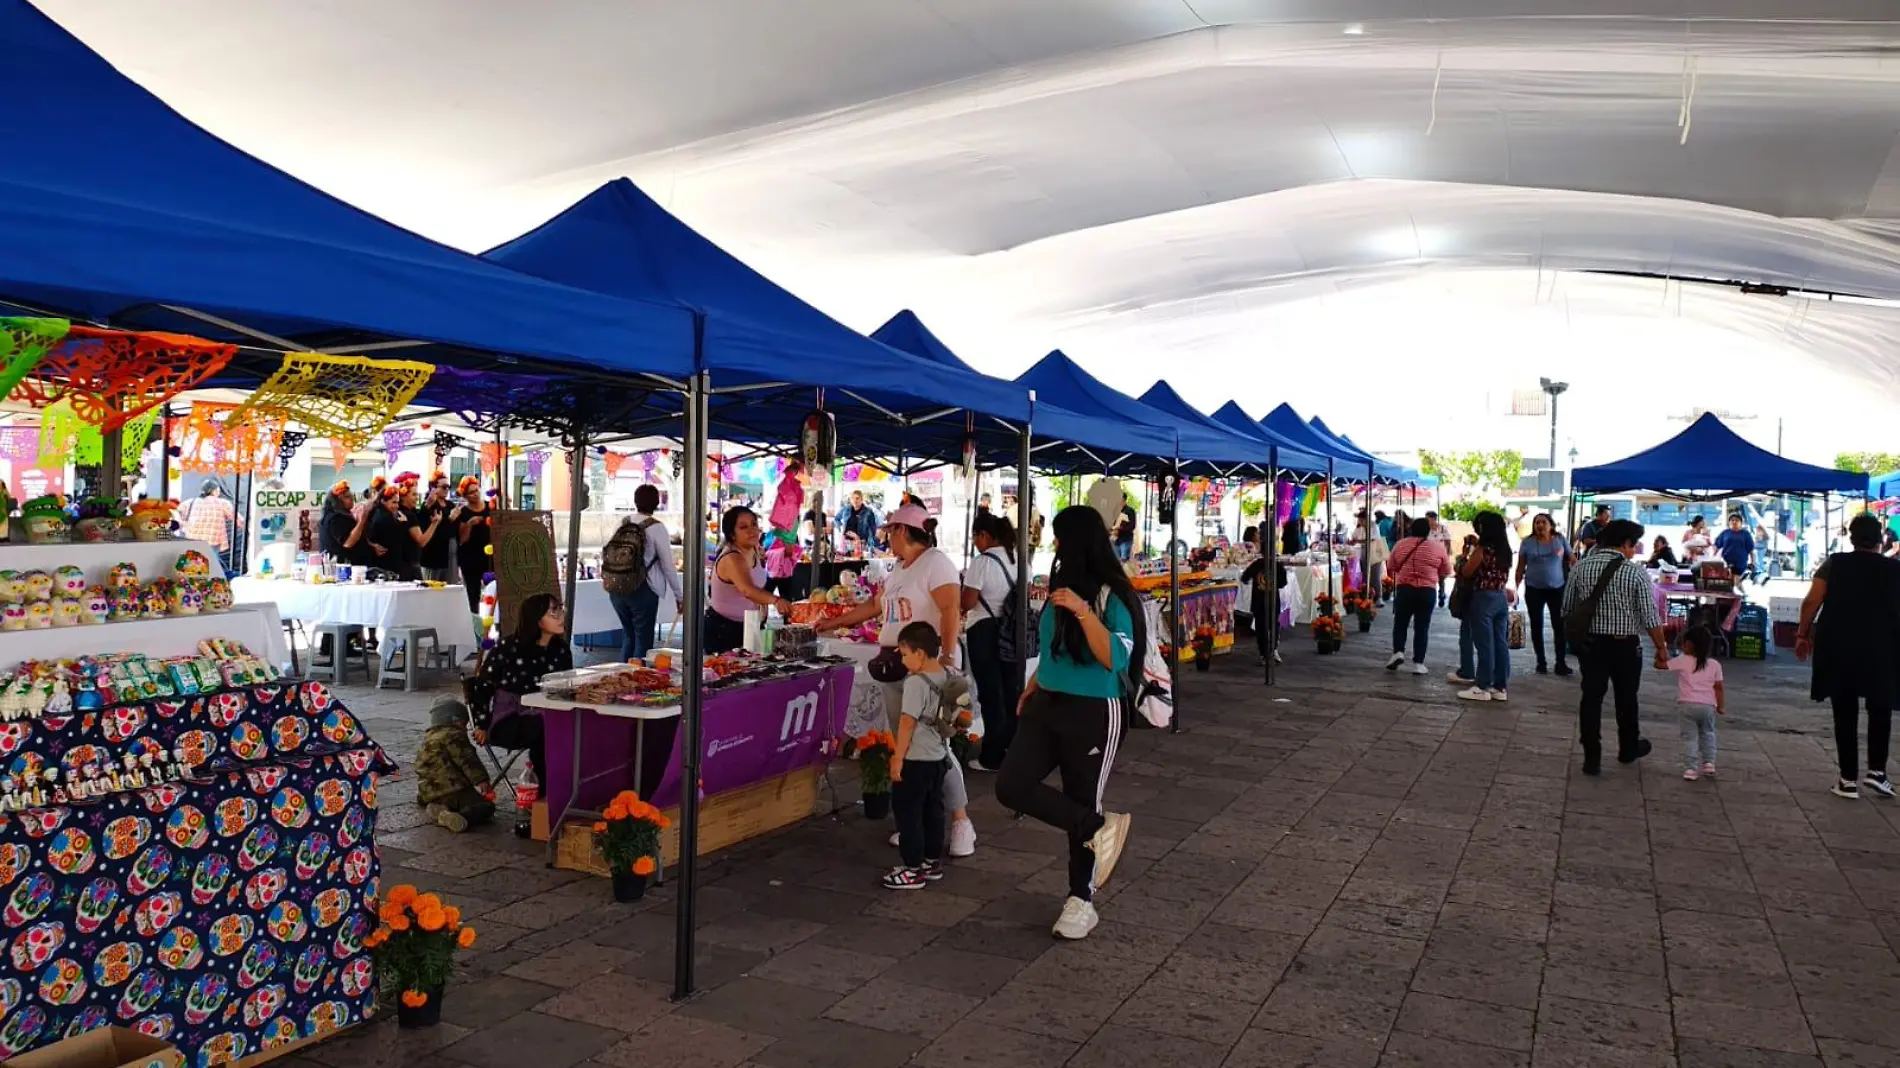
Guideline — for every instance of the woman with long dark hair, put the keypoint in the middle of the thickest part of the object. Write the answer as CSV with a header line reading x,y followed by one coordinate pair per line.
x,y
1073,709
1543,565
989,584
738,581
537,646
472,519
1487,565
343,531
1855,644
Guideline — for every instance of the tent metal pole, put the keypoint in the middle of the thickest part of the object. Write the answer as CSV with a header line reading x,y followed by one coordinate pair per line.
x,y
1330,547
693,548
164,453
576,472
1269,639
1174,598
1365,547
1025,553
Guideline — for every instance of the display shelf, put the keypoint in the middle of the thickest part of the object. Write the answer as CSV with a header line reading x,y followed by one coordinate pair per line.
x,y
256,625
153,558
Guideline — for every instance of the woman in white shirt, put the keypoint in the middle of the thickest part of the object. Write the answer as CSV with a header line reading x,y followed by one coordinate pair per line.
x,y
988,584
1696,541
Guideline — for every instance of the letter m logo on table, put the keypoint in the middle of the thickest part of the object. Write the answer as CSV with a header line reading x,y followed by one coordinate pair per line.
x,y
801,715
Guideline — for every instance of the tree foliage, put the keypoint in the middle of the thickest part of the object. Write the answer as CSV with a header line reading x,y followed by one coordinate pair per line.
x,y
1496,469
1867,463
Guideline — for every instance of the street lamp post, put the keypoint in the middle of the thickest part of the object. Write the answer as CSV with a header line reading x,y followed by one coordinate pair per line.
x,y
1555,389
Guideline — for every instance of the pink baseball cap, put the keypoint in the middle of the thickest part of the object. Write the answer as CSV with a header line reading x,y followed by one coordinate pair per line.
x,y
908,515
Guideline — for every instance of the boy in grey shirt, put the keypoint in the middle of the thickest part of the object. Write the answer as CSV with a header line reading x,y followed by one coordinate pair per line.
x,y
921,759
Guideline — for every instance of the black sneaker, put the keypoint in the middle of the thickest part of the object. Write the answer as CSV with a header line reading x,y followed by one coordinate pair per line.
x,y
1543,669
1878,782
1564,669
1642,750
1847,788
1592,767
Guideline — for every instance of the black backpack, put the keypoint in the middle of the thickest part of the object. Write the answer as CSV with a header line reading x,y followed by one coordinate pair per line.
x,y
623,560
1006,648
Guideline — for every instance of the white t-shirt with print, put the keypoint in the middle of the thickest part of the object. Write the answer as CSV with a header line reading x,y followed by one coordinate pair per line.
x,y
990,575
907,594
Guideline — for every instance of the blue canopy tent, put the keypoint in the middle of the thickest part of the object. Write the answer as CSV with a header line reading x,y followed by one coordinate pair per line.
x,y
1403,473
1235,418
1381,471
1162,397
1887,485
1061,381
1708,459
117,210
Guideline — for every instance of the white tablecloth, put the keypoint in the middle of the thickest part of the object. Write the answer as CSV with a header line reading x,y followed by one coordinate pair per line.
x,y
867,694
154,559
1310,581
256,625
594,613
372,604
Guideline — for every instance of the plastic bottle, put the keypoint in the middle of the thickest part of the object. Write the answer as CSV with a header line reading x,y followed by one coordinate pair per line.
x,y
527,790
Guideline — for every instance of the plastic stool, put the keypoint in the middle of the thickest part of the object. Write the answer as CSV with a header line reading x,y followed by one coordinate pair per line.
x,y
339,635
409,640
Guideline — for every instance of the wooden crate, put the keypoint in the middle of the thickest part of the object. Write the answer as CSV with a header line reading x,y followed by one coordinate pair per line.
x,y
724,819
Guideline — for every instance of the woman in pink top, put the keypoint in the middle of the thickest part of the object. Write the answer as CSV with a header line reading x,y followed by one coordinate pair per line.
x,y
1416,564
738,581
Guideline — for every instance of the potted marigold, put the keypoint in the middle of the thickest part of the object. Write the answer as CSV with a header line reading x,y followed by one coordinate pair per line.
x,y
629,839
415,945
874,772
1325,605
1361,604
1327,633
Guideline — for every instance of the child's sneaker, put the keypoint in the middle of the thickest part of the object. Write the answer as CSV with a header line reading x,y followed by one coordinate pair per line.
x,y
1689,774
1708,769
932,870
1878,782
448,819
1846,788
902,878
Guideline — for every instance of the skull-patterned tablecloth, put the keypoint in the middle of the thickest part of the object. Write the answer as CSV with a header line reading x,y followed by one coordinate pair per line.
x,y
225,913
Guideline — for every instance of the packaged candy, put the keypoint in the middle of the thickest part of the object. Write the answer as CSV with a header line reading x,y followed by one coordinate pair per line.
x,y
45,519
69,581
184,679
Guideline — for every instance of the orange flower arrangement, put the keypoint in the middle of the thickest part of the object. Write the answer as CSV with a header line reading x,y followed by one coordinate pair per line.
x,y
875,749
1327,629
415,942
630,833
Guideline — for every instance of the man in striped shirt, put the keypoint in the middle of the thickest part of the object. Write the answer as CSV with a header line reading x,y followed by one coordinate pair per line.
x,y
1611,654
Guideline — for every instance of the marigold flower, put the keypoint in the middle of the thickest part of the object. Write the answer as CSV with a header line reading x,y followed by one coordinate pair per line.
x,y
391,912
398,922
427,901
453,915
415,999
627,798
616,810
467,938
643,866
660,820
401,894
600,827
432,919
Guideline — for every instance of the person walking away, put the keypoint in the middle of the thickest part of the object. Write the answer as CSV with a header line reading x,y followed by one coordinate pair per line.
x,y
1263,600
1587,534
1542,562
1609,605
1441,534
452,786
921,760
1418,564
1488,566
1850,628
1073,709
989,592
437,558
738,581
472,519
212,519
923,587
1736,546
1699,699
635,566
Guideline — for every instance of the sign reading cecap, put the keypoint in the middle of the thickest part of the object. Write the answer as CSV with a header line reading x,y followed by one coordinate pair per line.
x,y
287,500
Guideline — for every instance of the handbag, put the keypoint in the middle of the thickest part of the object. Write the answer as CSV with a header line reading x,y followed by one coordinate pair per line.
x,y
887,665
1459,602
1577,624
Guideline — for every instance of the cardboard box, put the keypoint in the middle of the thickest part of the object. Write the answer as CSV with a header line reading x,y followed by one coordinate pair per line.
x,y
724,820
106,1047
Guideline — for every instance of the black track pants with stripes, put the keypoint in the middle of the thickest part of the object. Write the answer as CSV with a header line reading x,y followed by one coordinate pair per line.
x,y
1076,736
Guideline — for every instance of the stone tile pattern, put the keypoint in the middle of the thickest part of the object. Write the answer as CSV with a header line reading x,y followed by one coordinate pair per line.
x,y
1347,870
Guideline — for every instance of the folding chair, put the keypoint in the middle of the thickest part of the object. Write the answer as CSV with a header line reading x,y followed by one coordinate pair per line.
x,y
502,767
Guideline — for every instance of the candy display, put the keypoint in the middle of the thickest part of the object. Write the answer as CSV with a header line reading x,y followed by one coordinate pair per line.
x,y
99,520
152,520
71,599
45,521
104,681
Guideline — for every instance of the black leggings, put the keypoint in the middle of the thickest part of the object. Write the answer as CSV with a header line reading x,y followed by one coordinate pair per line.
x,y
999,685
1847,735
1077,735
1538,599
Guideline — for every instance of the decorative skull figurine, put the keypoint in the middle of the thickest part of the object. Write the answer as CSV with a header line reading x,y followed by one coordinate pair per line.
x,y
39,615
183,599
67,612
123,574
126,603
191,564
69,581
152,602
39,586
218,595
12,616
97,607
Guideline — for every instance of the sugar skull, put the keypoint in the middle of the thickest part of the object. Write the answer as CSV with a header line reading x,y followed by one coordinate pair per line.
x,y
224,709
198,746
70,852
258,848
36,945
39,615
186,826
13,736
329,906
290,808
98,606
69,581
141,994
150,870
156,913
218,595
349,936
326,1017
39,586
126,603
332,796
22,1030
95,904
260,961
340,727
209,878
264,1003
66,612
279,1032
10,991
125,835
358,976
122,575
153,600
12,616
12,586
116,963
356,866
180,949
312,853
159,1025
222,1049
63,982
247,742
28,899
40,822
315,697
265,779
234,815
289,733
229,934
206,995
90,1018
13,857
183,599
353,826
191,564
309,970
123,722
263,889
355,762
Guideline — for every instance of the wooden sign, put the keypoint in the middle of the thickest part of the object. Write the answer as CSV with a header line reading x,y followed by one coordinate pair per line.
x,y
523,562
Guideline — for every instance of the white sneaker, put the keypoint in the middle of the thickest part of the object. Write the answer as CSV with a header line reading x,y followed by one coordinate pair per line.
x,y
895,835
1420,669
977,765
1393,663
1474,694
1458,680
1500,695
1875,781
1107,844
1077,920
1277,658
962,838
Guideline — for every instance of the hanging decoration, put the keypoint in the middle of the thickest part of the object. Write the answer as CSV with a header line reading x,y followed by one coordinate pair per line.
x,y
339,453
113,376
22,343
1168,498
66,438
491,457
394,441
612,461
818,439
288,442
444,441
19,443
679,461
536,460
346,397
209,442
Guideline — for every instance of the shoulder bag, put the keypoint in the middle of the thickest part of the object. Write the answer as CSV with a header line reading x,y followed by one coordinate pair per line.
x,y
1577,624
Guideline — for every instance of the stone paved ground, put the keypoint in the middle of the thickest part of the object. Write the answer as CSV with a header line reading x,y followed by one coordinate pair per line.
x,y
1352,869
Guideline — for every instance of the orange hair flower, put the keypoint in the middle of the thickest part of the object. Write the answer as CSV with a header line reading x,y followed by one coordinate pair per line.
x,y
415,999
643,866
467,938
468,482
432,919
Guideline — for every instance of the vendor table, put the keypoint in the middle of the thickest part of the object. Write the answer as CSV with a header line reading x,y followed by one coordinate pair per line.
x,y
1309,581
752,732
594,616
1209,605
256,625
371,604
865,712
1680,592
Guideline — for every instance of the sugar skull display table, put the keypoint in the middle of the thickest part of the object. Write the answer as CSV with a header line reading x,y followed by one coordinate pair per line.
x,y
225,912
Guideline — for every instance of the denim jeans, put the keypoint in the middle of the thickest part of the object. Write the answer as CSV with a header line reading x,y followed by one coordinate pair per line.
x,y
1490,617
1698,734
1412,607
639,612
1467,653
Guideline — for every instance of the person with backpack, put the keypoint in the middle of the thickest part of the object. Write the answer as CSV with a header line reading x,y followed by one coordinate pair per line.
x,y
989,613
1608,606
1073,710
635,565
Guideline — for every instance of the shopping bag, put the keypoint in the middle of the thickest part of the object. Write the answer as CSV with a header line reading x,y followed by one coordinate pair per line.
x,y
1517,630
